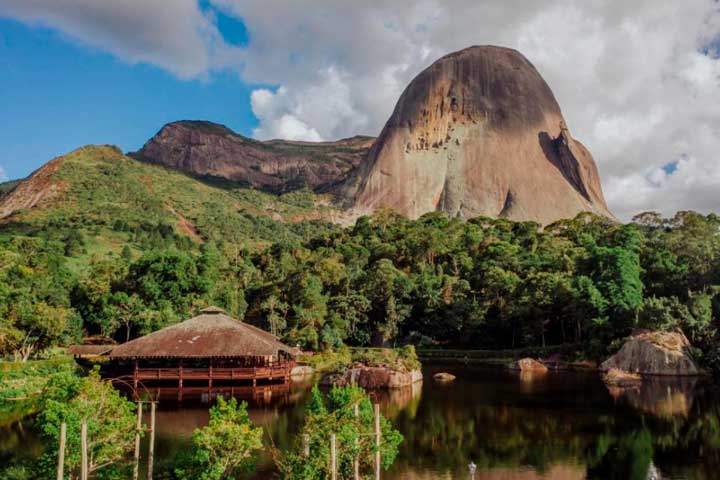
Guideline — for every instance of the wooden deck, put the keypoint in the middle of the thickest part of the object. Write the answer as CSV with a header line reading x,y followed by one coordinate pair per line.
x,y
270,373
182,374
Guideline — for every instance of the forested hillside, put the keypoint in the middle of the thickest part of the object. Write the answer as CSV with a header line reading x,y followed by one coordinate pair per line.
x,y
125,248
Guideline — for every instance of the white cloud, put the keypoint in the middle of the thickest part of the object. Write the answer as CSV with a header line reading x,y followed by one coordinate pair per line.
x,y
277,117
631,77
175,35
3,175
314,113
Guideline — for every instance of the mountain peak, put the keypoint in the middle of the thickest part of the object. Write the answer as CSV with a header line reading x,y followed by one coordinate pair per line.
x,y
479,133
205,148
45,184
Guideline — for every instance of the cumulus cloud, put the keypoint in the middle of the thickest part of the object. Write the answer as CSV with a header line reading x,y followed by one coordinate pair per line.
x,y
324,106
275,112
638,81
177,36
3,175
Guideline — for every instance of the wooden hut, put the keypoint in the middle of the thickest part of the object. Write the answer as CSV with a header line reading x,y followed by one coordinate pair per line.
x,y
89,351
209,347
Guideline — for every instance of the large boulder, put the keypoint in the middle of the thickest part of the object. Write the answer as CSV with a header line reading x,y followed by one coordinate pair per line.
x,y
528,365
654,353
373,377
479,133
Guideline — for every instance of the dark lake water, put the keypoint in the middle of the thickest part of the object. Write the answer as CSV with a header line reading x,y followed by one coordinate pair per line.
x,y
560,425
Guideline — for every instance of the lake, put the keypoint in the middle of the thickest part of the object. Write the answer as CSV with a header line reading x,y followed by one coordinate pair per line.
x,y
560,425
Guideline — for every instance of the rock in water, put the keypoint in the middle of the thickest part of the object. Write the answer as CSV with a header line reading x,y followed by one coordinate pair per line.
x,y
479,133
654,353
528,365
443,377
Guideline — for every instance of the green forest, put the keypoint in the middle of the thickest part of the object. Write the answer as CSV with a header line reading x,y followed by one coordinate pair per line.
x,y
478,284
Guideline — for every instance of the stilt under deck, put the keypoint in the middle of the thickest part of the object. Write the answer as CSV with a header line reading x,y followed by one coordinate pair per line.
x,y
272,373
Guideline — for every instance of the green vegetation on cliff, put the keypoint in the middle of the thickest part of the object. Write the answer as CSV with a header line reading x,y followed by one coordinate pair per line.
x,y
96,200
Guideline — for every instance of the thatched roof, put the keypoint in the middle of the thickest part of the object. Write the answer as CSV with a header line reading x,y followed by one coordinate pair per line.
x,y
212,334
89,350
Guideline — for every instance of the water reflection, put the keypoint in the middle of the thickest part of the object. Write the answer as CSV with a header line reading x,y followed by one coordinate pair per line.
x,y
560,425
659,396
556,472
530,380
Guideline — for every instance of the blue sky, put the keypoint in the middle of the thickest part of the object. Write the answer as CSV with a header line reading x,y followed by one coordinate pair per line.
x,y
57,94
638,82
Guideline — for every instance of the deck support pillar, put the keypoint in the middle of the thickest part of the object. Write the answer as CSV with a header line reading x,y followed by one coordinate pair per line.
x,y
135,378
180,374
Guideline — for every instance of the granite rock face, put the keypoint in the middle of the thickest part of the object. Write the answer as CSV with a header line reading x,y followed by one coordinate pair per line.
x,y
654,353
478,133
207,149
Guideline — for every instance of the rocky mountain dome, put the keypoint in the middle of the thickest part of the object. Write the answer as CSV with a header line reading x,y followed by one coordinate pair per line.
x,y
478,133
209,149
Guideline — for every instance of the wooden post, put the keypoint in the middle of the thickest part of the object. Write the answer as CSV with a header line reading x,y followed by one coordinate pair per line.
x,y
333,458
180,374
83,451
135,379
356,460
61,453
138,429
306,445
377,441
151,447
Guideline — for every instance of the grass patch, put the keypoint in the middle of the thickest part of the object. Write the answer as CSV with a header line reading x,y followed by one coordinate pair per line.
x,y
403,358
329,361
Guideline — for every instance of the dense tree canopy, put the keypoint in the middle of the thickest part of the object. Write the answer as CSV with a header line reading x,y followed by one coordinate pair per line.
x,y
481,283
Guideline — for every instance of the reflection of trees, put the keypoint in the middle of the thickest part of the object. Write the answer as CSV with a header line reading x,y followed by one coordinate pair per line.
x,y
491,436
446,427
19,446
444,434
625,457
686,447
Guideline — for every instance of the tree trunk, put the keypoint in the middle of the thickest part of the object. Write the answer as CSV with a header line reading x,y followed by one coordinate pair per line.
x,y
25,352
579,331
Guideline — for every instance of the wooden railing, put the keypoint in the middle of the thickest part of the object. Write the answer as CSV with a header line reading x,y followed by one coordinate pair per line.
x,y
216,373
